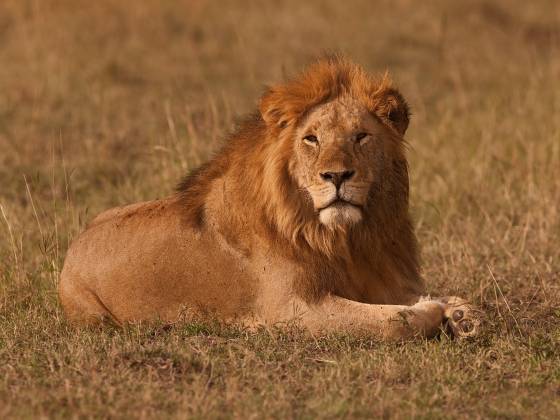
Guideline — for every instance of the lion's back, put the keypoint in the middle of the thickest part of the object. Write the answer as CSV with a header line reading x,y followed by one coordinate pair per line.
x,y
130,210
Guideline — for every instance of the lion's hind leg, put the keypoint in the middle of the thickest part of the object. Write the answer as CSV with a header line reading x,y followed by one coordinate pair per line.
x,y
82,306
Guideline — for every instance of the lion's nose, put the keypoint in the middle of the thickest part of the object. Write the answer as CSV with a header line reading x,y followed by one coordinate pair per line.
x,y
337,178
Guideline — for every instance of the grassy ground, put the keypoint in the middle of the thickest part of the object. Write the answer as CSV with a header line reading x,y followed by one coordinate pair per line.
x,y
105,103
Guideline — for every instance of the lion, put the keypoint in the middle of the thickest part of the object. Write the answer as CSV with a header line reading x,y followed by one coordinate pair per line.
x,y
302,217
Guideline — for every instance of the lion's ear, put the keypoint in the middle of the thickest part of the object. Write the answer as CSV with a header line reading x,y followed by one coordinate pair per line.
x,y
272,109
393,110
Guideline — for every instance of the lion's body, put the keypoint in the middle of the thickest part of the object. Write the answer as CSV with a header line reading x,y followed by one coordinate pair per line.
x,y
143,263
249,238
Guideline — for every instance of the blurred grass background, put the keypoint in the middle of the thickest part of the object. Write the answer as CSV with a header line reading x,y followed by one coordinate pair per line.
x,y
106,103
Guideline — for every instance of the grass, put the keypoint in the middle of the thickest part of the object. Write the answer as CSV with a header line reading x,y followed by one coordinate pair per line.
x,y
112,102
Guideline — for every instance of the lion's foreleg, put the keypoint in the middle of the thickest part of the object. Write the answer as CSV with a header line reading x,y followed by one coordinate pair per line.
x,y
335,314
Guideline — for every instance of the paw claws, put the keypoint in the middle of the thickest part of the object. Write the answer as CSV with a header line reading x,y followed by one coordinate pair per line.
x,y
457,315
466,326
462,319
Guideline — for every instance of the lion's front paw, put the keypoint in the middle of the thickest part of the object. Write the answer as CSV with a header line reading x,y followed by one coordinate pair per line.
x,y
461,318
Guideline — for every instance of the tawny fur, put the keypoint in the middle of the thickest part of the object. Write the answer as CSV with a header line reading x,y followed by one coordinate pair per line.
x,y
246,237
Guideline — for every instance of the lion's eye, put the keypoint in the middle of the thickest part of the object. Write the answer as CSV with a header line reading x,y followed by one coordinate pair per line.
x,y
361,136
310,139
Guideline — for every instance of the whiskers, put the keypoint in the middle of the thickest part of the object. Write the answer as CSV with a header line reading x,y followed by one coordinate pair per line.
x,y
354,193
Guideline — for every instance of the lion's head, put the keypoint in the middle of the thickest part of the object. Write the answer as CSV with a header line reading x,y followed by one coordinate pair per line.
x,y
322,165
336,136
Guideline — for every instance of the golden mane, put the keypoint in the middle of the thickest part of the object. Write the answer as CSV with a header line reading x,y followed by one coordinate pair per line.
x,y
328,79
258,155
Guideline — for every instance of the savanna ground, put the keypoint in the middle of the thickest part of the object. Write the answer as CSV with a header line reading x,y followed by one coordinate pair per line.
x,y
105,103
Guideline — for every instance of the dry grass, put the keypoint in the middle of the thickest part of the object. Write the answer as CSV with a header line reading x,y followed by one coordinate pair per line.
x,y
104,103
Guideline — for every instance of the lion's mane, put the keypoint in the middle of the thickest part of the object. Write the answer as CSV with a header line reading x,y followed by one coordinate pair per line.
x,y
257,158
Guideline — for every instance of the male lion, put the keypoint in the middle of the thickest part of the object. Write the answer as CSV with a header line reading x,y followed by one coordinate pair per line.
x,y
302,216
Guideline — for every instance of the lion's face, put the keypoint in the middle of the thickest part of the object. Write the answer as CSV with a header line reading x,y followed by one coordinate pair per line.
x,y
334,153
339,150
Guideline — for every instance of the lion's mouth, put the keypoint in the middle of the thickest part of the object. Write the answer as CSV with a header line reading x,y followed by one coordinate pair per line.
x,y
340,212
340,203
